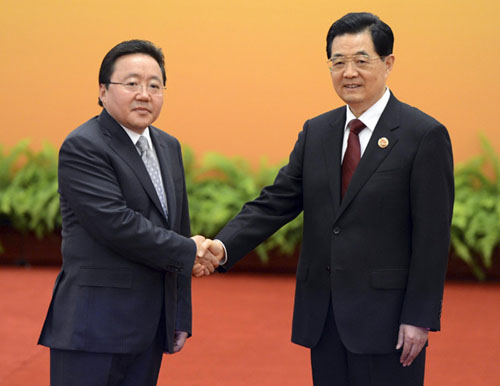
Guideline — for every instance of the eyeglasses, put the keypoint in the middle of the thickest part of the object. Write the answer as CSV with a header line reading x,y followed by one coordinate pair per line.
x,y
152,88
359,62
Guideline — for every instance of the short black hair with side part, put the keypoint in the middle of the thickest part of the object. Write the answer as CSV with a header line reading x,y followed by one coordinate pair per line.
x,y
353,23
129,47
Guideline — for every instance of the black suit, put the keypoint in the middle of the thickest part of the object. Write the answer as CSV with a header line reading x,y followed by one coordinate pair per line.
x,y
380,253
124,264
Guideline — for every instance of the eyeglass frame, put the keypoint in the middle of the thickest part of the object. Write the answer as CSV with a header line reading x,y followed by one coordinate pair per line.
x,y
161,89
350,58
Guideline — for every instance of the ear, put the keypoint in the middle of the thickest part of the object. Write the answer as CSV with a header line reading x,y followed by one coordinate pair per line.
x,y
103,92
389,63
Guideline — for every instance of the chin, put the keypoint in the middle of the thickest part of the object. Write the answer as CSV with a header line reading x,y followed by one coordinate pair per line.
x,y
137,126
351,99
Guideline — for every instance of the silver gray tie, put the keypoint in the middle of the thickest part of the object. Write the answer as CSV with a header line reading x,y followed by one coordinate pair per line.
x,y
153,170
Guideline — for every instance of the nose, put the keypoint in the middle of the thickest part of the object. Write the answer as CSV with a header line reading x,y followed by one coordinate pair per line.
x,y
350,70
143,94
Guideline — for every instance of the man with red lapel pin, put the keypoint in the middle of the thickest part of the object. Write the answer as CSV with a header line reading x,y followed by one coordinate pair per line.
x,y
374,179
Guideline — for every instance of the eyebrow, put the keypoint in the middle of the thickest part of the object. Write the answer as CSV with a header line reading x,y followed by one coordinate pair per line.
x,y
136,75
361,52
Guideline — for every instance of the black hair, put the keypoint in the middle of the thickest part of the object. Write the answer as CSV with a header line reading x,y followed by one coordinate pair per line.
x,y
129,47
353,23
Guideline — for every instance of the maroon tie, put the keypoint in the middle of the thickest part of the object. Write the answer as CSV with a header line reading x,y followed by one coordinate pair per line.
x,y
352,154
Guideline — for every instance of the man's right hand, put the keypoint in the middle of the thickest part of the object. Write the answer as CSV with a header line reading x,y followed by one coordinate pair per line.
x,y
208,255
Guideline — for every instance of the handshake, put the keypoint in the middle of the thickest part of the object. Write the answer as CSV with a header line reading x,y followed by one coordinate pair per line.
x,y
209,254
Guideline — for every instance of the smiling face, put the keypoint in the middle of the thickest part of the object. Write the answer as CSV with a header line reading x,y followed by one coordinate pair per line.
x,y
360,88
134,110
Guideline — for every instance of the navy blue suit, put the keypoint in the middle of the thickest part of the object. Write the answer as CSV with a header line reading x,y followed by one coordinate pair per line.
x,y
125,267
378,255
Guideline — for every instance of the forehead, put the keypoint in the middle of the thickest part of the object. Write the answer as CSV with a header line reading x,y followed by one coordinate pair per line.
x,y
349,44
137,64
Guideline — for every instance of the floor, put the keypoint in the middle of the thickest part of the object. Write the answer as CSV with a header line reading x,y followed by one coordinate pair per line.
x,y
242,327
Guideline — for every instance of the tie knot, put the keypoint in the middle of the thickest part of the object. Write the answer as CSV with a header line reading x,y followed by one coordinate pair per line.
x,y
142,144
355,126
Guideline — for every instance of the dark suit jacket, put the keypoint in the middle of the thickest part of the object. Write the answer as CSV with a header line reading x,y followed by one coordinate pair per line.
x,y
381,252
123,263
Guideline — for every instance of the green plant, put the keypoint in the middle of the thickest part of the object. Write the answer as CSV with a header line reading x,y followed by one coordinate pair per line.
x,y
28,189
218,186
217,189
475,228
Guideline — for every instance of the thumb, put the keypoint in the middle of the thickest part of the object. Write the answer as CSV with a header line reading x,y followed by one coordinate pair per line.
x,y
401,338
204,247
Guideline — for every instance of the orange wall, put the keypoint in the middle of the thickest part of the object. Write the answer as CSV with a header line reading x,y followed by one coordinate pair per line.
x,y
243,75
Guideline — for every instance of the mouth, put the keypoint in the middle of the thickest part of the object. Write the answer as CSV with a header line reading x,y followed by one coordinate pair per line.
x,y
352,86
141,109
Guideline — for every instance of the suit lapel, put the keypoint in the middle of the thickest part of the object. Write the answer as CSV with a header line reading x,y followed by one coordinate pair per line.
x,y
332,151
120,142
164,154
374,154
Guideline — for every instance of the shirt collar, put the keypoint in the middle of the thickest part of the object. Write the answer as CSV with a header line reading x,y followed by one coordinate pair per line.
x,y
134,137
371,116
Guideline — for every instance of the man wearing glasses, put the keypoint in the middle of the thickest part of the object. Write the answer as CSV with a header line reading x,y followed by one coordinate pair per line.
x,y
375,181
123,296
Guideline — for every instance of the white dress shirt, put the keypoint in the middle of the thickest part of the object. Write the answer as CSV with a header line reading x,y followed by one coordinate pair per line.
x,y
370,118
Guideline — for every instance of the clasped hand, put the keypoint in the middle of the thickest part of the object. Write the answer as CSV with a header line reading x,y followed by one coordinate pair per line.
x,y
209,253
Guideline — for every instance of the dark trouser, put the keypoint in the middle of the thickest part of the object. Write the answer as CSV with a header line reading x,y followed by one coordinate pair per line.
x,y
333,365
80,368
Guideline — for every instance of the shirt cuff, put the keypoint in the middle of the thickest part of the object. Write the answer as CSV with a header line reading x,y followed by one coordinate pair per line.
x,y
224,259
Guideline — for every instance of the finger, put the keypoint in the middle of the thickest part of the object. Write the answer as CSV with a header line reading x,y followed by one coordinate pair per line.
x,y
202,249
197,266
198,239
208,255
406,351
203,271
180,340
217,249
208,265
215,261
418,349
400,338
411,355
176,343
198,273
197,269
177,346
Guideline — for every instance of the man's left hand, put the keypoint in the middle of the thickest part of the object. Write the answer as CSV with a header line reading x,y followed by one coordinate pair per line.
x,y
179,340
412,339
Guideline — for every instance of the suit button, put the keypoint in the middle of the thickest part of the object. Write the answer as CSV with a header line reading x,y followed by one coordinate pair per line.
x,y
327,268
336,231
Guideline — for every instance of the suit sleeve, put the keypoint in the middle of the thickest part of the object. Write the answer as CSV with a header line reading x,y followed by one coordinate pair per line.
x,y
277,205
432,194
88,182
184,309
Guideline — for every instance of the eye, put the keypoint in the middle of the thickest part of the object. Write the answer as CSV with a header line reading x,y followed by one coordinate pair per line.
x,y
361,60
338,63
154,86
131,84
